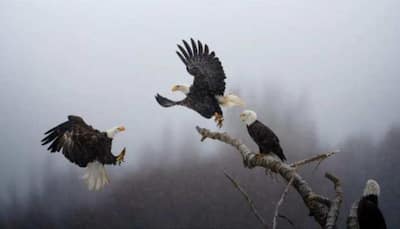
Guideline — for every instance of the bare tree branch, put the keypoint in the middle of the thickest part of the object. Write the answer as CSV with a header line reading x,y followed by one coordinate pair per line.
x,y
319,210
333,212
352,220
274,222
249,201
322,199
287,219
319,158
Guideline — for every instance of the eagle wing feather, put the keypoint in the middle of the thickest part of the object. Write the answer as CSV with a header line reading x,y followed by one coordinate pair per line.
x,y
206,68
79,142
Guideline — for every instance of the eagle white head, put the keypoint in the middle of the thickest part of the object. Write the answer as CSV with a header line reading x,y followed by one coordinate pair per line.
x,y
114,131
372,188
248,117
182,88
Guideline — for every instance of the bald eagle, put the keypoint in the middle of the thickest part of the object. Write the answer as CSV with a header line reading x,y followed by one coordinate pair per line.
x,y
85,146
266,140
206,94
368,213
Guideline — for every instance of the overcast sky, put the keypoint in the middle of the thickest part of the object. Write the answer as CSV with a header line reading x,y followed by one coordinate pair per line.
x,y
105,60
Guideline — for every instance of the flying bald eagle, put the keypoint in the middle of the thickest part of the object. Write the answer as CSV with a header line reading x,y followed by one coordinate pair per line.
x,y
85,146
266,140
206,94
368,213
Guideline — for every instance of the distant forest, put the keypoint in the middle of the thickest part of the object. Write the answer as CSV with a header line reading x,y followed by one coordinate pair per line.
x,y
190,191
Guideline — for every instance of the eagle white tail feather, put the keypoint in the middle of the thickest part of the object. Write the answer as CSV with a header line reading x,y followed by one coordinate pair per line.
x,y
230,100
95,176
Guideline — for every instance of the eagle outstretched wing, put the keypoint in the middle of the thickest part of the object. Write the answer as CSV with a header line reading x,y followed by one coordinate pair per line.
x,y
204,66
79,142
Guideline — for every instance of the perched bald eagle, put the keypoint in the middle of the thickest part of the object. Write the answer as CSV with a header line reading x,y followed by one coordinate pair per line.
x,y
206,94
368,213
266,140
85,146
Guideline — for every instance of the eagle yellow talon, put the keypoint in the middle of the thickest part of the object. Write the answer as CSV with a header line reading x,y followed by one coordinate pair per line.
x,y
121,156
220,123
219,119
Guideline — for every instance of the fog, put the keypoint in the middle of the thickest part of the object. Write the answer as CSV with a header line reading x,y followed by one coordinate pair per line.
x,y
323,75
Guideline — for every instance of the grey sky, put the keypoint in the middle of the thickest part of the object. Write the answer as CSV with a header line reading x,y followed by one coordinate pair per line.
x,y
105,60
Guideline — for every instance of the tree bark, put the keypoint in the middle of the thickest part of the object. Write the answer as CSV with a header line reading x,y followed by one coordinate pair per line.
x,y
323,210
352,221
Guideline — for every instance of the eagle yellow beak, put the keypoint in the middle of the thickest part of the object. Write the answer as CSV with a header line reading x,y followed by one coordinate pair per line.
x,y
242,117
175,88
121,128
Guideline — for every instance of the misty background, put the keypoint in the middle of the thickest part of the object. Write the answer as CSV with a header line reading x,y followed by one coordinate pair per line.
x,y
322,75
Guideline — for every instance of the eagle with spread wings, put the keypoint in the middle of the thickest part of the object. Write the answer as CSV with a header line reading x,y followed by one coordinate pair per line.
x,y
206,94
86,147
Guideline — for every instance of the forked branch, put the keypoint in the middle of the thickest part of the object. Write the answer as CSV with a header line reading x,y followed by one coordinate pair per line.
x,y
320,210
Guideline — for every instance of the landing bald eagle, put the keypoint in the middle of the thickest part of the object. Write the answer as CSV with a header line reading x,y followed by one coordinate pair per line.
x,y
206,94
85,146
368,213
266,140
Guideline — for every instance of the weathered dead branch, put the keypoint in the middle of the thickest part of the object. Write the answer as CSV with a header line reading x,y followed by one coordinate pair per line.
x,y
352,221
320,210
248,199
289,221
333,212
319,158
274,221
